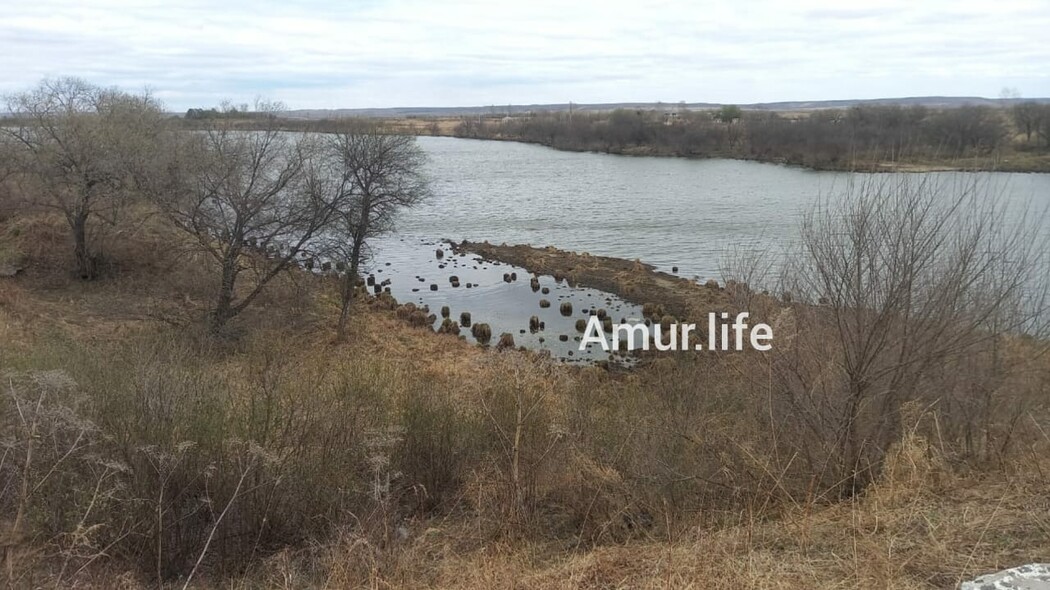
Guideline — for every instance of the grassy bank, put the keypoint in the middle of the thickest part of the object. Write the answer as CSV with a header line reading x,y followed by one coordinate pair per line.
x,y
139,450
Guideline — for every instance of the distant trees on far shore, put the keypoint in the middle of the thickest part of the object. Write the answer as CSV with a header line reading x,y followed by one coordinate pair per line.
x,y
829,138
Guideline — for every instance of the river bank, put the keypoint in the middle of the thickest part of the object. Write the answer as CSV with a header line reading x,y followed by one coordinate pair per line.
x,y
634,281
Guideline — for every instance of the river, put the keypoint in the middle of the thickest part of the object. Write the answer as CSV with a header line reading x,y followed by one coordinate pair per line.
x,y
664,211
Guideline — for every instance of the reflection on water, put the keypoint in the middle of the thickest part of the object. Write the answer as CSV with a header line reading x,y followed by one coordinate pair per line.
x,y
414,269
664,211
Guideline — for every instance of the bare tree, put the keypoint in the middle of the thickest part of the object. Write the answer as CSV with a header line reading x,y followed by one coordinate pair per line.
x,y
253,200
84,149
908,277
1027,116
381,174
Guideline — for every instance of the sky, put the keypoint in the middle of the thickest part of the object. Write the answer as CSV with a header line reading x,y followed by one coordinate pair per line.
x,y
389,53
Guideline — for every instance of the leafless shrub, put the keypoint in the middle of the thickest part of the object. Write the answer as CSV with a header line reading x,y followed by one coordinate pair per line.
x,y
253,199
85,151
903,280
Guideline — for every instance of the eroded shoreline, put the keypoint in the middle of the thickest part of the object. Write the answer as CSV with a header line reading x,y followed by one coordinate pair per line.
x,y
634,281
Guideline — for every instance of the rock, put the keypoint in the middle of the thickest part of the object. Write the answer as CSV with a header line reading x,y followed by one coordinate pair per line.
x,y
535,284
371,280
544,303
433,287
482,333
566,308
440,253
674,269
563,337
453,279
545,291
581,325
449,327
1035,576
534,323
445,311
506,340
464,319
602,314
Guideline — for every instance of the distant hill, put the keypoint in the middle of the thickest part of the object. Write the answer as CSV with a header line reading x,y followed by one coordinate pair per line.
x,y
395,112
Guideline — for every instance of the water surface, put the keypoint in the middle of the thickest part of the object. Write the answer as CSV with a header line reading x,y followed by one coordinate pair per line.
x,y
668,212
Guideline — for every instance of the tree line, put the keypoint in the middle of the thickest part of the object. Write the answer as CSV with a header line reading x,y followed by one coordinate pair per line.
x,y
832,138
256,200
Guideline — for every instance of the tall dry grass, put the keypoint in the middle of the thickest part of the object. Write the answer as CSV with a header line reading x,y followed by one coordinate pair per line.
x,y
158,456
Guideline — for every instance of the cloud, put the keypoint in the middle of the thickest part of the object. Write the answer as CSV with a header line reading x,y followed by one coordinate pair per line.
x,y
370,53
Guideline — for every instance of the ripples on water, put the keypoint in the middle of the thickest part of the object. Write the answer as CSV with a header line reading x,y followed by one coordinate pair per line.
x,y
664,211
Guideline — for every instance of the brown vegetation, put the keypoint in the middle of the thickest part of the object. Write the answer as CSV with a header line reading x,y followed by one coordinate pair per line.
x,y
895,436
859,138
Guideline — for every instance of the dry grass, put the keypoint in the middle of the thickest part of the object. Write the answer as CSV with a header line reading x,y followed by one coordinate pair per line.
x,y
391,461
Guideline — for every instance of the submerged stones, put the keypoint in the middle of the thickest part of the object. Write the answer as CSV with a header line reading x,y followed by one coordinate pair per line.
x,y
545,291
535,284
464,319
433,287
534,323
482,333
445,311
440,253
506,340
544,303
449,327
581,325
566,308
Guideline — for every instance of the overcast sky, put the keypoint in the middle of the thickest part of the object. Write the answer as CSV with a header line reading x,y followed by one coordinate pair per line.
x,y
380,53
